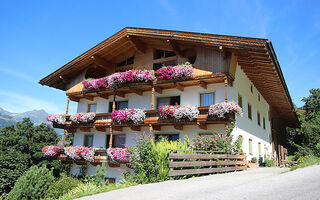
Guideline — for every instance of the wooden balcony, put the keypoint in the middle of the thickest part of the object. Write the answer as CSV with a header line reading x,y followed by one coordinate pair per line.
x,y
102,121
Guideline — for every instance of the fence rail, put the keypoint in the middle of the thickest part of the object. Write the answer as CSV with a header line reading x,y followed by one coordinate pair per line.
x,y
201,162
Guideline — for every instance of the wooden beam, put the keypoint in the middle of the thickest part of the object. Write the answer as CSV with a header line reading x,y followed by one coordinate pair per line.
x,y
118,128
137,91
223,51
203,84
65,79
85,129
158,90
76,99
104,96
135,128
176,48
90,98
137,44
102,63
101,128
179,86
120,94
178,127
156,127
71,130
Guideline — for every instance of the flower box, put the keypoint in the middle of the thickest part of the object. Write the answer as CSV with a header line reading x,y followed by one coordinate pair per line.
x,y
179,72
81,162
178,113
128,116
220,110
62,157
227,117
111,164
66,161
83,118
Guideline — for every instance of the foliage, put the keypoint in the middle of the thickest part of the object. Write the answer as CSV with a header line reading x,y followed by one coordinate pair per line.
x,y
135,116
142,159
12,164
33,184
82,117
99,177
59,119
20,148
120,155
161,151
269,163
237,145
220,109
83,189
306,161
254,159
306,140
61,186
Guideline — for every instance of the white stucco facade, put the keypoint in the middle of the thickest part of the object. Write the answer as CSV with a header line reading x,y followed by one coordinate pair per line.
x,y
247,128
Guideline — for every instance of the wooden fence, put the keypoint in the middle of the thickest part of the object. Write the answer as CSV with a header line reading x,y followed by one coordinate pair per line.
x,y
184,163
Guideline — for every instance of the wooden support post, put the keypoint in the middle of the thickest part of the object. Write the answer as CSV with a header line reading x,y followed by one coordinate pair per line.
x,y
65,131
152,107
111,130
226,88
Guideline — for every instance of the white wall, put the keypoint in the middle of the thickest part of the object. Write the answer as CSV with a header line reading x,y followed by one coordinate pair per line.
x,y
246,127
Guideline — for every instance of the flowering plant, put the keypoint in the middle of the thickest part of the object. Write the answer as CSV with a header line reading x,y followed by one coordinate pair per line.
x,y
179,112
118,155
135,116
218,141
51,150
59,119
82,117
95,83
184,71
220,109
78,152
115,80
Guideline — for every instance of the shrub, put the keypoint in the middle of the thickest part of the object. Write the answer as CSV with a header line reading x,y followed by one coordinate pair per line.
x,y
269,163
99,177
254,159
218,142
33,184
61,186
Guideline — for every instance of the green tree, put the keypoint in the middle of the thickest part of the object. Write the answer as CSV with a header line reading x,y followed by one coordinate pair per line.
x,y
312,103
32,185
20,145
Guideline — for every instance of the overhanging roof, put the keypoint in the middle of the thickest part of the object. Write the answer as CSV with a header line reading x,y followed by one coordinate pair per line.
x,y
256,57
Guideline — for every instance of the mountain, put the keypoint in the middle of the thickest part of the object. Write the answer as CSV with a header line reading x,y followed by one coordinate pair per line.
x,y
8,118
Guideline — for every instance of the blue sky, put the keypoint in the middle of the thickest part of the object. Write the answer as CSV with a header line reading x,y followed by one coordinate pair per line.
x,y
38,37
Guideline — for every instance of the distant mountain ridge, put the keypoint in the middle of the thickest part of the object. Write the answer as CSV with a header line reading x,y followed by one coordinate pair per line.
x,y
8,118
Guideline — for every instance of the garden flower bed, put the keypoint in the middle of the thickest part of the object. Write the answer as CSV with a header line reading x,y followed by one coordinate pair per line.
x,y
131,116
179,113
220,110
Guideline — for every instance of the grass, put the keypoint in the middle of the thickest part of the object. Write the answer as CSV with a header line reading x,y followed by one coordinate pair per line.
x,y
308,161
87,189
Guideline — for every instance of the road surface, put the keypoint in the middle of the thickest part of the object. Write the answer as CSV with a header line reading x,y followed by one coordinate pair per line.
x,y
259,183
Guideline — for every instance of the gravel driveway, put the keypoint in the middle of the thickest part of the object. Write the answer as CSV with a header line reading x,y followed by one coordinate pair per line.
x,y
259,183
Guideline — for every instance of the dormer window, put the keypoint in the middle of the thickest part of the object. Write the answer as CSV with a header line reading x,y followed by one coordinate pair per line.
x,y
163,54
128,61
163,58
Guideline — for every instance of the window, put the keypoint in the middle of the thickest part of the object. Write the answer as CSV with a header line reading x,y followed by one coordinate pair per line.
x,y
163,54
92,107
250,146
251,88
264,122
240,100
119,105
258,118
125,62
258,97
163,101
88,141
207,99
118,140
249,111
259,148
205,134
170,137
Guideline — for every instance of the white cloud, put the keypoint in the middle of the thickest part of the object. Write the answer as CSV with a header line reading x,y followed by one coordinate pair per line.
x,y
17,74
15,102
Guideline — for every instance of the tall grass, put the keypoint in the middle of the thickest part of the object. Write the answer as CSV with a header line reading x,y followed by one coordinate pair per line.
x,y
161,151
307,161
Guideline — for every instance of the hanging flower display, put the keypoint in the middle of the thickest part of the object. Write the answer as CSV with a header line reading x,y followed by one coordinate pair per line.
x,y
51,150
82,117
78,152
95,83
220,109
179,113
181,72
59,119
135,116
120,155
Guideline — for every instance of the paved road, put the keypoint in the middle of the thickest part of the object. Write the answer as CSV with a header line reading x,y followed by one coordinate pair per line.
x,y
260,183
